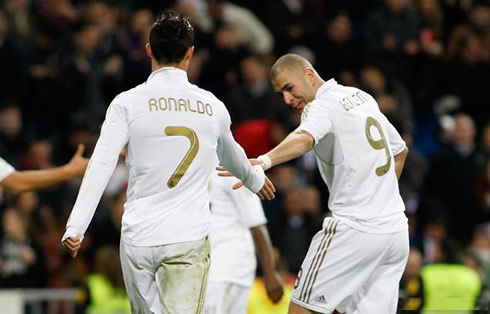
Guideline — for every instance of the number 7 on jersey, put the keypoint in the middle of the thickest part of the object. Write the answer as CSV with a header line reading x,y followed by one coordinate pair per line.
x,y
189,156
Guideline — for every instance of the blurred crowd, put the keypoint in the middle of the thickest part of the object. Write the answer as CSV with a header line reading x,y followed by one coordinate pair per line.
x,y
425,61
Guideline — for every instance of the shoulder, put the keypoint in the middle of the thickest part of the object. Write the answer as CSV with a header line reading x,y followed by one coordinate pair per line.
x,y
209,96
128,94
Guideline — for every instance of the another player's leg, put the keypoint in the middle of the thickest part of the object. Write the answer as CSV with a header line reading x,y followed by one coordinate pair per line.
x,y
182,276
226,298
139,278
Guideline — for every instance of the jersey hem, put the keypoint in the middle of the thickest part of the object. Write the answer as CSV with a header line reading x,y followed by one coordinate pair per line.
x,y
159,243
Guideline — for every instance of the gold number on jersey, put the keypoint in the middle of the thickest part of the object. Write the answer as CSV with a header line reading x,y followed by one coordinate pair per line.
x,y
378,144
189,156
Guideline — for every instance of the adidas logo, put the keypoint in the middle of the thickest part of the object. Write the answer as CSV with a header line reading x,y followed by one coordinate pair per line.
x,y
320,299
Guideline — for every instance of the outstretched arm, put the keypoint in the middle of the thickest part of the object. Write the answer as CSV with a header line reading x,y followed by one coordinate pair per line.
x,y
113,136
272,280
21,181
294,145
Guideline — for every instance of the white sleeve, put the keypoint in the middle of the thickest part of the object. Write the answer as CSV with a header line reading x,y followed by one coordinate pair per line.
x,y
396,142
316,121
113,136
5,169
232,156
249,207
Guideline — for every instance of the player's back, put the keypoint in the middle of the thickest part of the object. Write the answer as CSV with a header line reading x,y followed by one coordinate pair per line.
x,y
173,134
356,159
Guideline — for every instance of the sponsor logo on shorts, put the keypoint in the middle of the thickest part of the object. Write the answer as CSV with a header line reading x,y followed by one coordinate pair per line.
x,y
321,299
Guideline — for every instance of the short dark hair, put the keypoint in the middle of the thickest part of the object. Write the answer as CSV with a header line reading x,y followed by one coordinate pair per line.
x,y
170,37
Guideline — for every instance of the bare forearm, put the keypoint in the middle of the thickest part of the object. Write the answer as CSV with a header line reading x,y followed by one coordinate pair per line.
x,y
264,249
293,146
400,162
21,181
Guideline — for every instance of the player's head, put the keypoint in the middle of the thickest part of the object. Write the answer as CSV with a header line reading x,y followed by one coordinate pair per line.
x,y
294,77
171,39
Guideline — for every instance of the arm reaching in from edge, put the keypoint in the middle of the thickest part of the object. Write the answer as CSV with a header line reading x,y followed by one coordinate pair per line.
x,y
21,181
272,280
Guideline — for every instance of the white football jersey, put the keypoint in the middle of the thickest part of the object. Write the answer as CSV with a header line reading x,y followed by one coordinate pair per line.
x,y
5,169
354,147
233,213
172,130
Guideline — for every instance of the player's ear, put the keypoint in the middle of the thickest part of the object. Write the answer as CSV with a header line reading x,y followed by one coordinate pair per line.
x,y
149,53
310,75
189,53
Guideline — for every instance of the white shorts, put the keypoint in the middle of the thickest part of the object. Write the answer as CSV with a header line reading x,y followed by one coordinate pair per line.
x,y
168,278
351,271
226,298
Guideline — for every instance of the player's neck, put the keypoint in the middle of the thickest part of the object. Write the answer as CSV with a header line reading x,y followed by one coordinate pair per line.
x,y
317,84
183,65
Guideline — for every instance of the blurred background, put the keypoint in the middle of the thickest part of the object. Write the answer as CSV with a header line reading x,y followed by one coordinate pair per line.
x,y
425,61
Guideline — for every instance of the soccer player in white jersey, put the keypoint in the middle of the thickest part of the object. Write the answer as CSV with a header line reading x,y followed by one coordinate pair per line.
x,y
21,181
173,131
354,264
238,222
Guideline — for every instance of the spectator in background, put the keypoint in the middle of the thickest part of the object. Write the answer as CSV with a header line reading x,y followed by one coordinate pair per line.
x,y
13,74
235,26
432,25
21,257
465,74
104,289
340,55
411,288
292,22
411,182
392,34
480,248
108,232
13,141
455,188
482,194
137,65
235,33
447,284
392,96
292,230
111,48
260,120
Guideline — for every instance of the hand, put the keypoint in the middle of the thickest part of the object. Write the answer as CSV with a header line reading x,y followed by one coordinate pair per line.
x,y
266,192
72,245
274,287
78,163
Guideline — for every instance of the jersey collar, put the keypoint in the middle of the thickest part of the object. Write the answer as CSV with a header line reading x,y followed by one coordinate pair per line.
x,y
168,73
326,86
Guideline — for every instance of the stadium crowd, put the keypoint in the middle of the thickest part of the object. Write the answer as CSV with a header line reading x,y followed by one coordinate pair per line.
x,y
425,61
